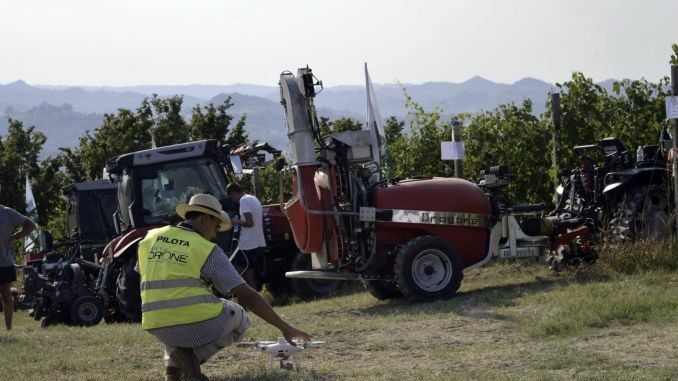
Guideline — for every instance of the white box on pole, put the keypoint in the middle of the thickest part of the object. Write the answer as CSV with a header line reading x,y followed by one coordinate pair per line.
x,y
672,107
451,150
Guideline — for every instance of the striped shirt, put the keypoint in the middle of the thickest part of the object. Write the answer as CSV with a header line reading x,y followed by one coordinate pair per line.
x,y
218,271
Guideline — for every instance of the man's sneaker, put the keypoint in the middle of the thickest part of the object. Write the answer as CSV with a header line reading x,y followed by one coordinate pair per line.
x,y
186,359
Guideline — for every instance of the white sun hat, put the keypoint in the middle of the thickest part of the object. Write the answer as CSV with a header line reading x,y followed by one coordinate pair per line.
x,y
208,204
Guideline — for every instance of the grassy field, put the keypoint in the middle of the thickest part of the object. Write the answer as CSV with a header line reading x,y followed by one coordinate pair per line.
x,y
510,321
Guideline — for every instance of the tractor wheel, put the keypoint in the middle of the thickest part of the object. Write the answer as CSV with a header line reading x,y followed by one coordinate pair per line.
x,y
309,289
382,289
643,213
428,268
86,311
128,291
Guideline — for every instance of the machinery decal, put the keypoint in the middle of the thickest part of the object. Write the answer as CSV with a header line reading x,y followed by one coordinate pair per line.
x,y
440,218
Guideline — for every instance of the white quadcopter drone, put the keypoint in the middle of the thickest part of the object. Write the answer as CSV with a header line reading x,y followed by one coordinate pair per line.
x,y
283,350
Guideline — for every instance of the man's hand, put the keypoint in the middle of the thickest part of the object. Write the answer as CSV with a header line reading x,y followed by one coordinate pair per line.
x,y
290,333
26,228
261,308
246,221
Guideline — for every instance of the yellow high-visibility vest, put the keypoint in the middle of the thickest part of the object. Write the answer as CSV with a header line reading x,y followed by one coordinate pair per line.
x,y
172,293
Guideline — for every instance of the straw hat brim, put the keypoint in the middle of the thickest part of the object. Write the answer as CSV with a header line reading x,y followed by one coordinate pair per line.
x,y
182,209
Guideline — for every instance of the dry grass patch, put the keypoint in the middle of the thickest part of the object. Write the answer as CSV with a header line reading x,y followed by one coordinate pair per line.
x,y
510,321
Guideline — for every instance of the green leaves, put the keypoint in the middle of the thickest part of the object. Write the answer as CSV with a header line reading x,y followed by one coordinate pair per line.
x,y
340,125
393,129
211,122
238,135
511,135
18,157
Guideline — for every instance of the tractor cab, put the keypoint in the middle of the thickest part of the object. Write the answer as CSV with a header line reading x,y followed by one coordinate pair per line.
x,y
89,220
153,182
89,214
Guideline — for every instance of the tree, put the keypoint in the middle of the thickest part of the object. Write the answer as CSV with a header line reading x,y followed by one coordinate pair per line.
x,y
47,187
393,129
269,178
346,124
213,123
122,132
583,114
674,57
328,126
238,135
419,153
325,126
637,110
20,151
589,113
169,127
511,135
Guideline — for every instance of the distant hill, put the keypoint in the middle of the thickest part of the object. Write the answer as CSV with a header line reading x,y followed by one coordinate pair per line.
x,y
22,96
61,124
196,91
65,113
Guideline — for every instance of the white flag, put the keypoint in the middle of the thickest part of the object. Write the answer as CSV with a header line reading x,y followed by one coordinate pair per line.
x,y
373,119
32,213
150,131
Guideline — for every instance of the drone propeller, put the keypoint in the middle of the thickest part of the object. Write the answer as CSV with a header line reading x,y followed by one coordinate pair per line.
x,y
254,343
308,344
260,343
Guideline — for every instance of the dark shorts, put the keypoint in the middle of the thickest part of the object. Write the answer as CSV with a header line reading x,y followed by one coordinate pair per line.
x,y
248,258
7,274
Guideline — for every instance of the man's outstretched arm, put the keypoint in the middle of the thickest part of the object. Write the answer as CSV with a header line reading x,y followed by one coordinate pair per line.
x,y
257,304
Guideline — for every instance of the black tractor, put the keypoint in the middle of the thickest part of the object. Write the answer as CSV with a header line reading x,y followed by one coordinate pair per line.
x,y
60,278
619,198
62,289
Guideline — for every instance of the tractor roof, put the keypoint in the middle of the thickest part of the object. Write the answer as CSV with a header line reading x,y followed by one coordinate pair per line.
x,y
161,155
89,186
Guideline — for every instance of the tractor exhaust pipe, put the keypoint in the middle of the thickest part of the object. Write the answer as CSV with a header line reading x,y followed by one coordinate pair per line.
x,y
325,275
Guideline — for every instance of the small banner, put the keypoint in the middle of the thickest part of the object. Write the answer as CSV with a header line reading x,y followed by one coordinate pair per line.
x,y
672,107
451,150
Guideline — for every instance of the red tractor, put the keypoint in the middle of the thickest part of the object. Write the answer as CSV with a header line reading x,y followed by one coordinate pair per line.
x,y
402,237
151,184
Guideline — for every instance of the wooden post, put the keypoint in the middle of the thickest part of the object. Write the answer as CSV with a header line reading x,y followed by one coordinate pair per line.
x,y
458,164
674,92
256,182
555,122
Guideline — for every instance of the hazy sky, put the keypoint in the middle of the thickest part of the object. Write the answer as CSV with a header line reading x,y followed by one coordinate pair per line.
x,y
101,42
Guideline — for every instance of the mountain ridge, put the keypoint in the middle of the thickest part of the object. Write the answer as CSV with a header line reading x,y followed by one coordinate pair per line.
x,y
76,109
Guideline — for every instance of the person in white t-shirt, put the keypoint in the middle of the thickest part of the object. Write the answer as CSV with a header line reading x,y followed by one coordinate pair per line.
x,y
251,243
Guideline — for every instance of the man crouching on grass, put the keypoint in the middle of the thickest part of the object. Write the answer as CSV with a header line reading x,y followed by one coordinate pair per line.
x,y
176,264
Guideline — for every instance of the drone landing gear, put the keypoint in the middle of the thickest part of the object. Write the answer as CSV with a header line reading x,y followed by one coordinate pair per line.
x,y
289,363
